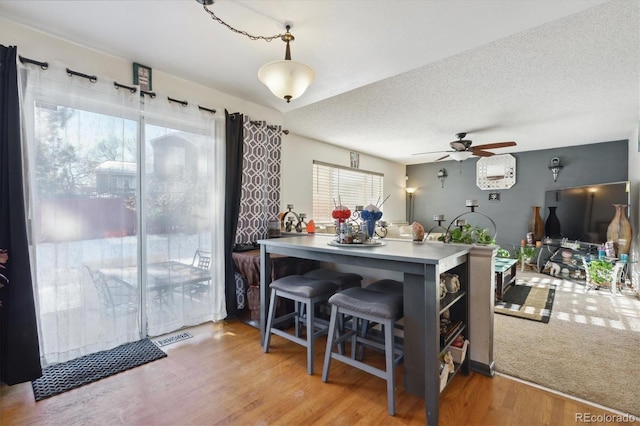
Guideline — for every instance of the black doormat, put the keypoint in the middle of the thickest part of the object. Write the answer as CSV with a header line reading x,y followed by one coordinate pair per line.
x,y
72,374
529,301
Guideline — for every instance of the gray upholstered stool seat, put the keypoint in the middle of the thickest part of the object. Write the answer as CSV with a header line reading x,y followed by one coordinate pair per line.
x,y
304,287
386,286
342,279
306,293
372,306
365,301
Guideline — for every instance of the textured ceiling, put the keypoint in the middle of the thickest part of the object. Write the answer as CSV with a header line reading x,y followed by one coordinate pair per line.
x,y
394,77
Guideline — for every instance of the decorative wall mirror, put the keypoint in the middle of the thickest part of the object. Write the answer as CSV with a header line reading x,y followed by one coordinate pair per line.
x,y
496,172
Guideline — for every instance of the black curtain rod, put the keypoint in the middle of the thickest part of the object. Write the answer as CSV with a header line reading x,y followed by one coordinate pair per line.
x,y
131,89
43,65
183,103
91,78
212,111
270,127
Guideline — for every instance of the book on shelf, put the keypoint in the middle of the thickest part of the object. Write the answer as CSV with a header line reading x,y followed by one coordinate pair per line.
x,y
450,330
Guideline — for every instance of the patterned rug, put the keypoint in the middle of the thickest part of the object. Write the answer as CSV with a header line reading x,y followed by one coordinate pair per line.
x,y
72,374
529,301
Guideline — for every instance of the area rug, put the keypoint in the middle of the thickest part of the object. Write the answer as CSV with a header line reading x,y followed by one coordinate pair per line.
x,y
72,374
531,301
589,349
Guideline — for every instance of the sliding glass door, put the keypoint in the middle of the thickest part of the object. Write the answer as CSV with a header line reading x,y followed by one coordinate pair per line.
x,y
123,203
178,212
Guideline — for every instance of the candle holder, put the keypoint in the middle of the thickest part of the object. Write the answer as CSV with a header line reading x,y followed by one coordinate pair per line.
x,y
286,222
466,234
301,223
381,231
437,218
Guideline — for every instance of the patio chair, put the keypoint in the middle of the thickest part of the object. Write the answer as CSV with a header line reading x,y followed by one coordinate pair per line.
x,y
201,260
115,295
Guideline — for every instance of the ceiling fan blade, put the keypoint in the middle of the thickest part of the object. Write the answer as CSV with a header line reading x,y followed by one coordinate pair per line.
x,y
481,153
493,145
430,152
442,158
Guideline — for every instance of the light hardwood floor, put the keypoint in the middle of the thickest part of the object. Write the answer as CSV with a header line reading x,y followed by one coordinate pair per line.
x,y
221,376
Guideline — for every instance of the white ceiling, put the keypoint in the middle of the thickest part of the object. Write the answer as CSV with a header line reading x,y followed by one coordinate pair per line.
x,y
393,77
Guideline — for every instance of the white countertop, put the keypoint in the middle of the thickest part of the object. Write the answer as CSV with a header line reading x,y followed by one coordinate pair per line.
x,y
392,249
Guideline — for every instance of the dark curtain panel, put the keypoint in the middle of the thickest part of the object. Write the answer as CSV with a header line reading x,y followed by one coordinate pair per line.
x,y
19,349
233,186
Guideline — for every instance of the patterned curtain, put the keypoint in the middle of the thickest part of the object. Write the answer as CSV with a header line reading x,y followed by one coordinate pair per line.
x,y
260,198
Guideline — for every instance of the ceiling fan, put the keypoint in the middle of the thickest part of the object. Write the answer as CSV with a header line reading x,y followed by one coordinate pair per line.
x,y
462,149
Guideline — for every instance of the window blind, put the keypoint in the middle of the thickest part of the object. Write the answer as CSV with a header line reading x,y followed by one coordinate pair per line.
x,y
334,185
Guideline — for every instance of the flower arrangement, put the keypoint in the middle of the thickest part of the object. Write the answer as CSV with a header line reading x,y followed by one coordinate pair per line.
x,y
4,257
370,215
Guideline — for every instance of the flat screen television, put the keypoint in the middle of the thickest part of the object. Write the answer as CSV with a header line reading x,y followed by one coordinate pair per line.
x,y
585,212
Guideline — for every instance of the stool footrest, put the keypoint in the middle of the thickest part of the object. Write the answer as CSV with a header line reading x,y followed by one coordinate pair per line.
x,y
360,365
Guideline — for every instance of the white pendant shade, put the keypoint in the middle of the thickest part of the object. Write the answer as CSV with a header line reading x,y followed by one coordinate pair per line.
x,y
460,155
286,79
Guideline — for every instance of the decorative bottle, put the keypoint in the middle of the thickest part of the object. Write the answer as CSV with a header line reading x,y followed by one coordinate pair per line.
x,y
552,225
536,225
619,230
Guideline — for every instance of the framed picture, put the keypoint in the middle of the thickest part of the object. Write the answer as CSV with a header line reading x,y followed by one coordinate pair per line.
x,y
494,197
354,160
142,77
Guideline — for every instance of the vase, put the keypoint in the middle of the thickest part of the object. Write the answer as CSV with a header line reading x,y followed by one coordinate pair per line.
x,y
552,225
371,227
619,230
536,225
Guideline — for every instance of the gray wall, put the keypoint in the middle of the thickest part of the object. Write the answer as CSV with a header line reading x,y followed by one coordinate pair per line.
x,y
582,165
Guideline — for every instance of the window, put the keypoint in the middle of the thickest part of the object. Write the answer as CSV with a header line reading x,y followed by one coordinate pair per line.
x,y
334,185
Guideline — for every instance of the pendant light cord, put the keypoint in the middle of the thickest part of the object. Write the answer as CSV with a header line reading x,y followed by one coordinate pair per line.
x,y
252,37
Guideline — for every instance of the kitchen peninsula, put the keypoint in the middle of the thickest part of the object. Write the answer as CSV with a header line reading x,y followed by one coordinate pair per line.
x,y
421,265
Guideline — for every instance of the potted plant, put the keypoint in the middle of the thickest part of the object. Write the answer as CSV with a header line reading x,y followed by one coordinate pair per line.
x,y
599,272
468,234
525,254
503,253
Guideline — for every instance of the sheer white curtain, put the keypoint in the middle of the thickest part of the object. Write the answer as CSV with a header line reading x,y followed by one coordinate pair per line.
x,y
183,207
89,192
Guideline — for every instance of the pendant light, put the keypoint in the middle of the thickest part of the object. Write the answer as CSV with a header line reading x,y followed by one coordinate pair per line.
x,y
286,79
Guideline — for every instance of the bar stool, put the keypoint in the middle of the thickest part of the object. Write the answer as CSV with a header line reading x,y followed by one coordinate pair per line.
x,y
343,280
372,306
387,286
304,291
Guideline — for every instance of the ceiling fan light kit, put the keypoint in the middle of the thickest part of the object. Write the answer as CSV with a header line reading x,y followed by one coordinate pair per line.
x,y
286,79
460,155
463,149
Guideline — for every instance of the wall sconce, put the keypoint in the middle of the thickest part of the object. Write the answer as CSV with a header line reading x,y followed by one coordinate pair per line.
x,y
442,175
410,191
555,167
